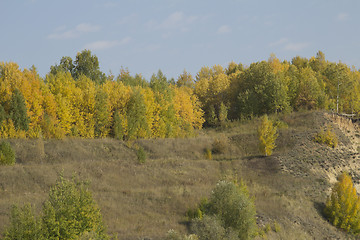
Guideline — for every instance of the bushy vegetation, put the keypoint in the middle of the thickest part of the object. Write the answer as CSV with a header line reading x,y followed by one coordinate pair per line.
x,y
267,134
343,206
327,137
229,214
7,154
69,213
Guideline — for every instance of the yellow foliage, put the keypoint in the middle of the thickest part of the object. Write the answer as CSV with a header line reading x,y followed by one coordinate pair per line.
x,y
8,130
343,206
267,136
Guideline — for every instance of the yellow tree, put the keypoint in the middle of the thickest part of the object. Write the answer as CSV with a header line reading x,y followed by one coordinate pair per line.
x,y
62,87
32,91
86,105
343,206
267,136
187,111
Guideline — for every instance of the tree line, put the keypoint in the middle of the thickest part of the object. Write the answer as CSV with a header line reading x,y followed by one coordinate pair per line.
x,y
76,99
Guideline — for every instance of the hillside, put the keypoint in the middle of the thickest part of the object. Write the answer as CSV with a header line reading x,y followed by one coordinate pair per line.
x,y
146,200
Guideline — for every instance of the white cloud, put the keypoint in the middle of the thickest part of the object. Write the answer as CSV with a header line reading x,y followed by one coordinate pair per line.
x,y
342,17
85,28
281,41
175,21
102,45
63,33
296,46
288,45
224,29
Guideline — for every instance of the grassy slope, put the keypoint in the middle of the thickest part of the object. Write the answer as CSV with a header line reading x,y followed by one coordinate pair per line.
x,y
147,200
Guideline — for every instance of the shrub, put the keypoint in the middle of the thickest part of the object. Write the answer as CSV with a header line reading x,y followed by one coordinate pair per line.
x,y
229,214
343,206
7,154
69,213
141,155
24,224
208,228
329,137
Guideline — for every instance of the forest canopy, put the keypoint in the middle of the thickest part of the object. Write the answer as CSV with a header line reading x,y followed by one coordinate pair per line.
x,y
76,99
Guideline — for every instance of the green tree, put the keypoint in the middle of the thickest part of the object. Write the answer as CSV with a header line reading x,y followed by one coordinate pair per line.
x,y
66,65
136,116
343,206
24,224
267,136
185,79
118,129
84,64
159,82
18,111
129,80
262,91
88,65
71,211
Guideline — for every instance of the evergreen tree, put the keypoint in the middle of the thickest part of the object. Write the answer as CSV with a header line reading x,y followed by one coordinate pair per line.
x,y
18,111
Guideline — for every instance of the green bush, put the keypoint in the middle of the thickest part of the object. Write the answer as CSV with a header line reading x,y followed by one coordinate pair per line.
x,y
327,137
229,214
69,213
7,154
24,224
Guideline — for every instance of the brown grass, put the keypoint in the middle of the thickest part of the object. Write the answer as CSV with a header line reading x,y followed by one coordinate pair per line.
x,y
146,200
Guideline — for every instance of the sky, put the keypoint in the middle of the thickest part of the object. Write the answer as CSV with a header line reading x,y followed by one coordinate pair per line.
x,y
176,35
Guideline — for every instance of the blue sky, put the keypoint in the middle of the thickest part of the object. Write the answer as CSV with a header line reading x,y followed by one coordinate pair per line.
x,y
173,35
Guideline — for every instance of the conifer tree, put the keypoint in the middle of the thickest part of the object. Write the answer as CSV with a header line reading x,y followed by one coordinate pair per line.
x,y
267,136
18,111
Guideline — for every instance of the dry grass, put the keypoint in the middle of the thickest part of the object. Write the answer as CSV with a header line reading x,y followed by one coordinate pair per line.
x,y
146,200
